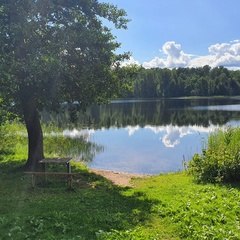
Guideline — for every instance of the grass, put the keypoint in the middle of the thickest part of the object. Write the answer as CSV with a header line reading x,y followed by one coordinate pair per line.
x,y
196,211
94,208
170,206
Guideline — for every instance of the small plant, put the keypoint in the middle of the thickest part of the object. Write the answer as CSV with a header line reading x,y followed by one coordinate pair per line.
x,y
220,162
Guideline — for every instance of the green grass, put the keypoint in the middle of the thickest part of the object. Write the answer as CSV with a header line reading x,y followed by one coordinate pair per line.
x,y
195,211
169,206
50,211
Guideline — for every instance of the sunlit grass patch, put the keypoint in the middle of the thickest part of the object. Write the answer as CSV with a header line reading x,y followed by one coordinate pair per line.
x,y
203,211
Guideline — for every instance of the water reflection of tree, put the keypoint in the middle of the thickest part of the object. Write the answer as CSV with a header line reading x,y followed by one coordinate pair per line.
x,y
176,112
156,114
78,147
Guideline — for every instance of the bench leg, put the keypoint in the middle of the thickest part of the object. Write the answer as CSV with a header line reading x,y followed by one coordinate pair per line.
x,y
69,182
33,181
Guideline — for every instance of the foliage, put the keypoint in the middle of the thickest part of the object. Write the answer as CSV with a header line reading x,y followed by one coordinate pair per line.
x,y
128,76
5,113
220,162
181,82
56,52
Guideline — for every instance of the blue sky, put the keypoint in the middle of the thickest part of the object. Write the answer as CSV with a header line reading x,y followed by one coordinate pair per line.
x,y
181,33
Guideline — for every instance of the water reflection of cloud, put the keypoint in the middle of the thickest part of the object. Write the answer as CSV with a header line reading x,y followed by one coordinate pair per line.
x,y
169,135
171,139
172,134
131,130
74,133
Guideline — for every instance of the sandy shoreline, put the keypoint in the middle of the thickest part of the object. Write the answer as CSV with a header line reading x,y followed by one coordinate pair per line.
x,y
119,178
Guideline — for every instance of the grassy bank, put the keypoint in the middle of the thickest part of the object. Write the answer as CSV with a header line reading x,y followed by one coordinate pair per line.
x,y
167,206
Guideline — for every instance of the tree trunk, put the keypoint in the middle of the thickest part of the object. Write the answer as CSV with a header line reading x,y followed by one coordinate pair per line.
x,y
35,135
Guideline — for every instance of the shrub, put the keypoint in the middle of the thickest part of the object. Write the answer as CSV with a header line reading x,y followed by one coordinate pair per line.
x,y
220,162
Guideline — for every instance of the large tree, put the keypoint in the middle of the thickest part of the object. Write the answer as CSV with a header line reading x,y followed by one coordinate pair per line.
x,y
55,51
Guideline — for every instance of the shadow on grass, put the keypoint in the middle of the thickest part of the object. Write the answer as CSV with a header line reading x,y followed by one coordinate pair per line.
x,y
96,208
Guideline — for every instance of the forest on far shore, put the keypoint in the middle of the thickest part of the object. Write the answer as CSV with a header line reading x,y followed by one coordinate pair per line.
x,y
138,82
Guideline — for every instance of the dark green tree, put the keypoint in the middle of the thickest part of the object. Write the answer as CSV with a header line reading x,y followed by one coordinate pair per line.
x,y
128,75
55,51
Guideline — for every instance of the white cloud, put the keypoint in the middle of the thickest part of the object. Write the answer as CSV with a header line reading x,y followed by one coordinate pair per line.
x,y
130,62
219,49
225,54
225,48
174,57
235,41
220,54
201,61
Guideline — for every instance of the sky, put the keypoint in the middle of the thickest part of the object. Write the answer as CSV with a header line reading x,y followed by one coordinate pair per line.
x,y
181,33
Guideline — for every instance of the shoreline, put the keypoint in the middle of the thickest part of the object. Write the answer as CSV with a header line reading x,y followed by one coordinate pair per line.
x,y
119,178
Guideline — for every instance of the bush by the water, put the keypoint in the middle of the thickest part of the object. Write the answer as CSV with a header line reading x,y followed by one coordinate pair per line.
x,y
220,161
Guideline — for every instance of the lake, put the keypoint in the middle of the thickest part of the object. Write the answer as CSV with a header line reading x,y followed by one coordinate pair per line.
x,y
154,136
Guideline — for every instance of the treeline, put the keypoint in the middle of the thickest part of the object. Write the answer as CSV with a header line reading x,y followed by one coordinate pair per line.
x,y
138,82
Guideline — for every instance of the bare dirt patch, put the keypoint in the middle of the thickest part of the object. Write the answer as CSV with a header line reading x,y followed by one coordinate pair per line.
x,y
119,178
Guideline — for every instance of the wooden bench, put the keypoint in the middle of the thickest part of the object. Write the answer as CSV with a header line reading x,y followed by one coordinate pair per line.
x,y
69,176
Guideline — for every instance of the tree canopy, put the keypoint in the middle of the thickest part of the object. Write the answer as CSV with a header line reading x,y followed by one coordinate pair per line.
x,y
55,51
181,82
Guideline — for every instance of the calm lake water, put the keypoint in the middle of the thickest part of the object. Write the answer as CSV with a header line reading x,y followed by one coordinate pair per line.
x,y
154,136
